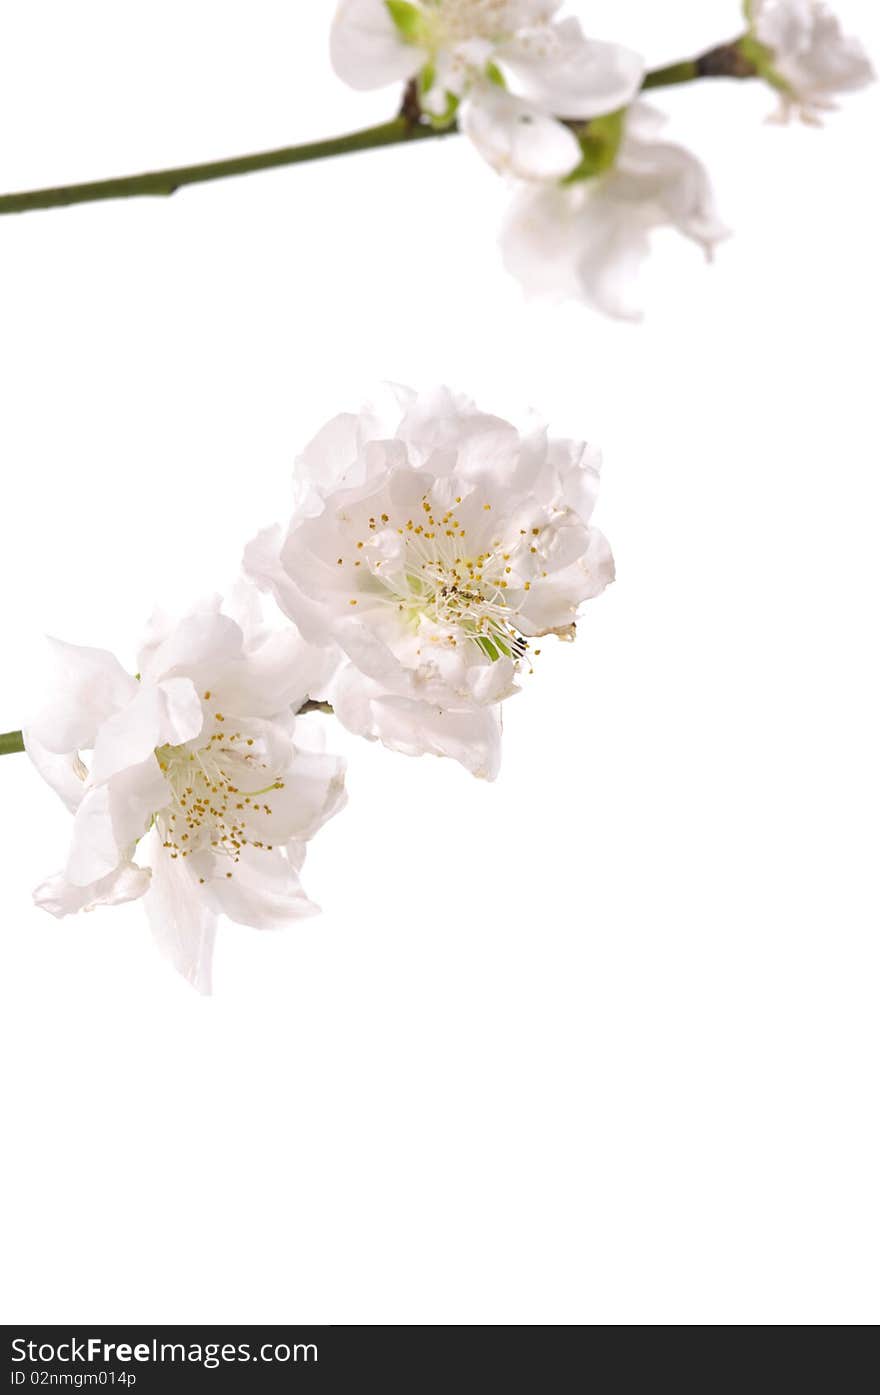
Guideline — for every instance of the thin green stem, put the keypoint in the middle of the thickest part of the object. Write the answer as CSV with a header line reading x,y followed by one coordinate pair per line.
x,y
404,129
686,71
162,183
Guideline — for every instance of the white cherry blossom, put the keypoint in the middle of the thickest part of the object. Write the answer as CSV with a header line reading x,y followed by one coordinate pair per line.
x,y
200,787
809,59
505,68
434,544
588,239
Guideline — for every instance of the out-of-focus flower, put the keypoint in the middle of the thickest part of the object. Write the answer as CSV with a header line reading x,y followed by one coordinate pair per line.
x,y
433,543
503,68
800,48
588,238
198,768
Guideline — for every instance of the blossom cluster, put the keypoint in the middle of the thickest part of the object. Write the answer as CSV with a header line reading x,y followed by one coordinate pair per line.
x,y
432,547
559,115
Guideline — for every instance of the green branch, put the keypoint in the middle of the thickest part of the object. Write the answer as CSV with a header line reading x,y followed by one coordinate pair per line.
x,y
404,129
162,183
686,71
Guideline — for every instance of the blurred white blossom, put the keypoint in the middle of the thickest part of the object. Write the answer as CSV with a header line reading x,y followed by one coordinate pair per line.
x,y
198,769
504,68
433,543
587,239
808,58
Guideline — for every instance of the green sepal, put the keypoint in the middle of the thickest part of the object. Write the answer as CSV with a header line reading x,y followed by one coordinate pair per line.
x,y
762,58
758,54
599,141
448,115
408,19
494,74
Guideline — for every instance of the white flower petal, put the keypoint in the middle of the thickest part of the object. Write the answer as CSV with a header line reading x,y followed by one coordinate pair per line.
x,y
590,239
65,773
170,713
812,60
447,432
553,605
517,138
784,25
182,921
262,563
136,794
540,238
313,791
644,122
199,642
94,848
336,457
578,465
87,686
182,717
263,891
372,656
280,673
366,49
612,252
329,456
677,183
244,605
471,737
564,72
61,897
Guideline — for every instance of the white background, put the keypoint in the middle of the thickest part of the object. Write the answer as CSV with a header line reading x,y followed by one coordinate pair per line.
x,y
594,1044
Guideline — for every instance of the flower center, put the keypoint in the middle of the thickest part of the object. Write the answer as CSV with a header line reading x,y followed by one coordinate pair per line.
x,y
216,805
433,576
450,22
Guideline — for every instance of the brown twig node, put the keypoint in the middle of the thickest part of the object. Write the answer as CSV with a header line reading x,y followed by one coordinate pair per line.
x,y
411,106
725,61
